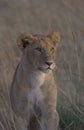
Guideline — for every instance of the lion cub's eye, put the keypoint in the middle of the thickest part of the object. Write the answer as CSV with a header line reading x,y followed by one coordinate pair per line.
x,y
52,49
39,49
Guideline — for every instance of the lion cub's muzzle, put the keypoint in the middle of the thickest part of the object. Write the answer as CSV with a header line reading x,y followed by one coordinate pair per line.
x,y
47,67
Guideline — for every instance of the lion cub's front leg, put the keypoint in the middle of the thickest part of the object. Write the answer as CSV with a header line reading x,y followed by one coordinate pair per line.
x,y
50,118
50,121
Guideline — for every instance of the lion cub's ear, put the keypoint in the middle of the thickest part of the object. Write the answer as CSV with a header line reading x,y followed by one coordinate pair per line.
x,y
25,39
55,37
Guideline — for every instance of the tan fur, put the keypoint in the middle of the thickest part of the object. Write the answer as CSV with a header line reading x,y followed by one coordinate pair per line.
x,y
33,92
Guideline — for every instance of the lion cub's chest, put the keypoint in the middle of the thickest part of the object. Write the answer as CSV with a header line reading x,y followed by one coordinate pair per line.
x,y
35,94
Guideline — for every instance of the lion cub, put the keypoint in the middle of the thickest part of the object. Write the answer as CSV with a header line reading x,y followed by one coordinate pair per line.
x,y
33,92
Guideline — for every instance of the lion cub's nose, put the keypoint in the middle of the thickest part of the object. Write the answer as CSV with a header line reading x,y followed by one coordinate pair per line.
x,y
49,63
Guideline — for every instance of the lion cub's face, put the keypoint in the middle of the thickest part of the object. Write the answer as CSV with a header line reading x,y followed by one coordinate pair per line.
x,y
39,50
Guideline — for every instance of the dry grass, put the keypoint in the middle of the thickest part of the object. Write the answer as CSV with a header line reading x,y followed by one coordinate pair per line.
x,y
43,17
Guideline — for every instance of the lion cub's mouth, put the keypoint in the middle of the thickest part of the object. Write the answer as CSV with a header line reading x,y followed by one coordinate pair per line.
x,y
46,70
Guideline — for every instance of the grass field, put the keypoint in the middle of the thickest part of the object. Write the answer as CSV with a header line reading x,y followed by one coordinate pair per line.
x,y
44,16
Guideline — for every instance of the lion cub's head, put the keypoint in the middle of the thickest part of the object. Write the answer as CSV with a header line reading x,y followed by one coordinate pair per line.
x,y
39,51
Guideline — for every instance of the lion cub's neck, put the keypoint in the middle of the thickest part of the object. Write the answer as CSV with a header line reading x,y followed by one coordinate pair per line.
x,y
34,78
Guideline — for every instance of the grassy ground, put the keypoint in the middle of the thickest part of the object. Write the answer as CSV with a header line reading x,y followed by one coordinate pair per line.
x,y
44,16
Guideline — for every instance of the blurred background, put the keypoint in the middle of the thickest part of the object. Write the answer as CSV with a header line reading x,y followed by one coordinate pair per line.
x,y
43,17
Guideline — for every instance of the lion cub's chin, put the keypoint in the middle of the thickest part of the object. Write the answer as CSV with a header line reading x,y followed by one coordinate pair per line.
x,y
48,70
